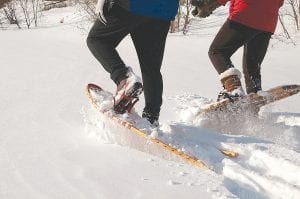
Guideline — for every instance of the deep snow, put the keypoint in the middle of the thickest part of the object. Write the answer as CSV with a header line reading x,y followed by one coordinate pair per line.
x,y
54,145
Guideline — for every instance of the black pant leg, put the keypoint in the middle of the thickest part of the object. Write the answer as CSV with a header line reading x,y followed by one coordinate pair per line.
x,y
149,40
228,40
103,40
254,53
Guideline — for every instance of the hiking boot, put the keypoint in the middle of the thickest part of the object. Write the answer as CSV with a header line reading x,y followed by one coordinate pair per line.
x,y
127,94
232,85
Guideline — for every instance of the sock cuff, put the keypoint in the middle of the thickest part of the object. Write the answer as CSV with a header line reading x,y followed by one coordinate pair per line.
x,y
230,72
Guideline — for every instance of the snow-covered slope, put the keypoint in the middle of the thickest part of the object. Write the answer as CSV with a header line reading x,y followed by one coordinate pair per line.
x,y
54,145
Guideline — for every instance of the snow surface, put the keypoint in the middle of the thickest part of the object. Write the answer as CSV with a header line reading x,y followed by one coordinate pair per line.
x,y
53,144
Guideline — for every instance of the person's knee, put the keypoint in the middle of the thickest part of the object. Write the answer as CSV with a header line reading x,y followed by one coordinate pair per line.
x,y
212,52
95,43
89,41
215,52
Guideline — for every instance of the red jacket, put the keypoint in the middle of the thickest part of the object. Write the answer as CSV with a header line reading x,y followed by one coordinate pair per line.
x,y
258,14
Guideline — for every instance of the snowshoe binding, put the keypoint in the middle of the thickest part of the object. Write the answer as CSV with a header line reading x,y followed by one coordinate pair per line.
x,y
127,93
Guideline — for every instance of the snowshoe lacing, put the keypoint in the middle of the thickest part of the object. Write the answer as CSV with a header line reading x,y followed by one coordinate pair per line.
x,y
128,100
225,95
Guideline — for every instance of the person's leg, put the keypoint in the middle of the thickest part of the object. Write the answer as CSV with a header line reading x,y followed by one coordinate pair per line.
x,y
103,40
149,40
228,40
254,53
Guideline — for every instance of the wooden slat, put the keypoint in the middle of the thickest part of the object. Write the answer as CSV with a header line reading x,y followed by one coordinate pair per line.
x,y
190,159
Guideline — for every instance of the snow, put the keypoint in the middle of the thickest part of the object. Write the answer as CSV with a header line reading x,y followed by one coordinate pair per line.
x,y
53,144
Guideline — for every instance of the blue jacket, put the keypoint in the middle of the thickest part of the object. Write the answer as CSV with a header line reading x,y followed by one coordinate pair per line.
x,y
162,9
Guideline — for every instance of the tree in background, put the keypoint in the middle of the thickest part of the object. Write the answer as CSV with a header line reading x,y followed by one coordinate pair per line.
x,y
27,11
183,18
289,18
88,6
3,2
295,12
9,9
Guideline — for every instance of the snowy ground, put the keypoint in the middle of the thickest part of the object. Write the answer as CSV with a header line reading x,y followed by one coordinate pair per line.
x,y
51,147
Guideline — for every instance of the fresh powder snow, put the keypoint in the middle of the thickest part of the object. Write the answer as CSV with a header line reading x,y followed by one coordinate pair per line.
x,y
54,144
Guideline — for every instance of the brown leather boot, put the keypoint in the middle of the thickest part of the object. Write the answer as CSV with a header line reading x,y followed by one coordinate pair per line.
x,y
232,84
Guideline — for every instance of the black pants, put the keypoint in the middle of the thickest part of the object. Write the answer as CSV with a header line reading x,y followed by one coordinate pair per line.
x,y
229,39
149,37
